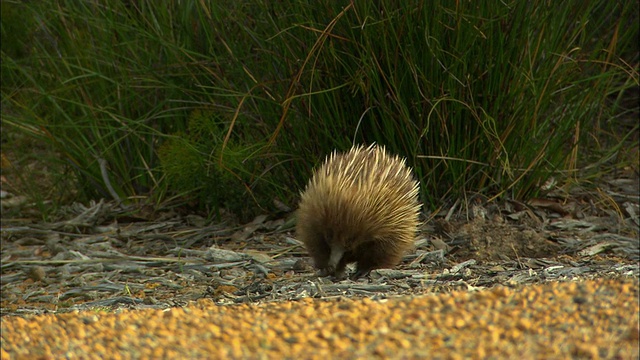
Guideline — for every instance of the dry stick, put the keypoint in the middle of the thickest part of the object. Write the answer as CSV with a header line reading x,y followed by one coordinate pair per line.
x,y
98,261
105,177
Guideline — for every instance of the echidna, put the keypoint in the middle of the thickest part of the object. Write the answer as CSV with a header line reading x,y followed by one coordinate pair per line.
x,y
360,206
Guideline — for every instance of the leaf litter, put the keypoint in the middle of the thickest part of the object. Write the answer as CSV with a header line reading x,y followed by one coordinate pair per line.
x,y
100,255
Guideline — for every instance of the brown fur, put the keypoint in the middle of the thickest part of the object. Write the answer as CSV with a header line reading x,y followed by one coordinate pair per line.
x,y
360,206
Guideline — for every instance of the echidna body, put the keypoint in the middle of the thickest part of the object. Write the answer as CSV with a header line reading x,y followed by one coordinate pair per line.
x,y
360,206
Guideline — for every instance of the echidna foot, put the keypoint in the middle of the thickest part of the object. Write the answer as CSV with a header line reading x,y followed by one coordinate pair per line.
x,y
326,271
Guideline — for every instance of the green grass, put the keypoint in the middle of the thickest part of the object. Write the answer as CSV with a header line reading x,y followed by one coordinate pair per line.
x,y
232,104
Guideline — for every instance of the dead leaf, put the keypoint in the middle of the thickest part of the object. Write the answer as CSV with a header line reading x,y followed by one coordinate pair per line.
x,y
549,205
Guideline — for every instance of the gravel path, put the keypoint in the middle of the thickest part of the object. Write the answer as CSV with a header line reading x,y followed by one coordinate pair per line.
x,y
585,319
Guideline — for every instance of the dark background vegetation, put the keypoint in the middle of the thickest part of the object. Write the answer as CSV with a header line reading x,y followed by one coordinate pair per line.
x,y
230,104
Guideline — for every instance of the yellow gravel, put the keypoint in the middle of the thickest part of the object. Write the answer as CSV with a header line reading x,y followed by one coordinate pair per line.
x,y
587,319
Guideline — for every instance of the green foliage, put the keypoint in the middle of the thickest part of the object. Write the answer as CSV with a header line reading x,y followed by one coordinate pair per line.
x,y
201,165
481,96
233,103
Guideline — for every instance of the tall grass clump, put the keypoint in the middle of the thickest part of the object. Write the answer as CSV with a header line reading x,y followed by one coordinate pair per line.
x,y
233,103
481,96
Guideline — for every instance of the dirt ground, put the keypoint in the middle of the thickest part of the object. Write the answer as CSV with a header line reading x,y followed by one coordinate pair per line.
x,y
556,277
103,256
584,319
